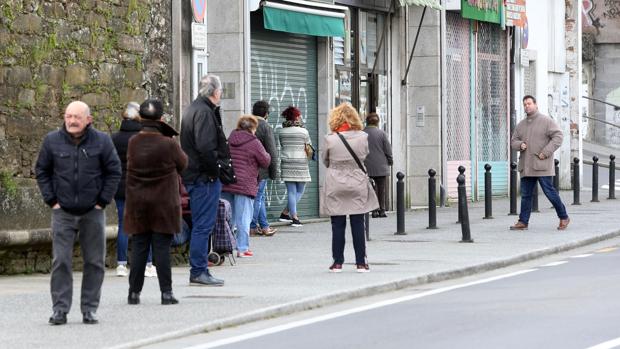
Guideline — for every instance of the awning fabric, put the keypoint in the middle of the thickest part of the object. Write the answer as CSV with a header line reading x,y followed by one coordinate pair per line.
x,y
430,3
291,21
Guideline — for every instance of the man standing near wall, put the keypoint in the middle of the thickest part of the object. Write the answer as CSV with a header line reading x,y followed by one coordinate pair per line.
x,y
204,142
537,137
264,133
77,171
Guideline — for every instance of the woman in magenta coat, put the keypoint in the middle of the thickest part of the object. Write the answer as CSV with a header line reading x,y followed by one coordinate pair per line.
x,y
247,155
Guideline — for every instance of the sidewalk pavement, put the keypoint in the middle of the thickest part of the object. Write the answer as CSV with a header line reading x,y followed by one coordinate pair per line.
x,y
289,273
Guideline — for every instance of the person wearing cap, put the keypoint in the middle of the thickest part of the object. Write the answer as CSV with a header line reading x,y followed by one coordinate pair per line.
x,y
152,202
294,170
78,172
130,126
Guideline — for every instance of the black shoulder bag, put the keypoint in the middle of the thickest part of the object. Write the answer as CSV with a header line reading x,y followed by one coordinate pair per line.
x,y
357,160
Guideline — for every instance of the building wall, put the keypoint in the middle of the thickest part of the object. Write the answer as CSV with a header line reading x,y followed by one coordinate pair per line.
x,y
226,48
601,20
423,91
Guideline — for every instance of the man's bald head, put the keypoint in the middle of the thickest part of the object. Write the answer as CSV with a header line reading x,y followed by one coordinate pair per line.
x,y
77,117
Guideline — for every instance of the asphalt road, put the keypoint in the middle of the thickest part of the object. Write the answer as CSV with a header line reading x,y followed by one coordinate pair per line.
x,y
566,301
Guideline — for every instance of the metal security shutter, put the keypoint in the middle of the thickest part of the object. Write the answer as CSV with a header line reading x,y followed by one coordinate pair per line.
x,y
492,107
284,72
458,125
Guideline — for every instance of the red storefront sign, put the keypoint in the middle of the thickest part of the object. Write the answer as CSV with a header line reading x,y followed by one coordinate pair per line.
x,y
515,13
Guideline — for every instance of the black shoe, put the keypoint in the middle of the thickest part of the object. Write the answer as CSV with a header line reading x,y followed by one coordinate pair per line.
x,y
133,298
285,218
205,279
168,298
296,223
89,318
382,214
58,318
374,214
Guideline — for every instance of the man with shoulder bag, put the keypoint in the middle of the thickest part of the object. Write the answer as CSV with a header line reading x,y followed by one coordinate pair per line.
x,y
204,142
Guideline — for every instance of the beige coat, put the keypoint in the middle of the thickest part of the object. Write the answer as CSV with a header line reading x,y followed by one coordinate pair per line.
x,y
542,135
346,189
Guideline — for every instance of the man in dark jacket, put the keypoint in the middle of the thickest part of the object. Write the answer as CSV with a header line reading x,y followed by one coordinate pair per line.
x,y
264,133
204,142
78,171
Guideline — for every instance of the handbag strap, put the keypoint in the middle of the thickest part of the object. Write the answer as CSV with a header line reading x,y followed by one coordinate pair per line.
x,y
346,144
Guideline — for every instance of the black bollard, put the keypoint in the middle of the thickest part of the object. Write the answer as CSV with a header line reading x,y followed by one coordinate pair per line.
x,y
432,201
400,204
576,182
594,179
612,177
488,193
465,232
461,173
556,178
535,198
513,189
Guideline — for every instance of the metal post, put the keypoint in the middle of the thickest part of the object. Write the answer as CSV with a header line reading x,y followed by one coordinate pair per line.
x,y
488,193
442,196
465,232
432,202
594,179
556,178
612,177
513,189
461,173
576,182
400,204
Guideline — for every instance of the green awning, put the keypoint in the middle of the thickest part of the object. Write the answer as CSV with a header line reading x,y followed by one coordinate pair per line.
x,y
430,3
302,23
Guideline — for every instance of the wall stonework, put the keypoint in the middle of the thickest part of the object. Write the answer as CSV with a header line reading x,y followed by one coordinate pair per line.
x,y
105,53
51,52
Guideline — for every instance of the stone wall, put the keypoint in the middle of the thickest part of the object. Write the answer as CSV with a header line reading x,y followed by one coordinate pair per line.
x,y
105,53
38,258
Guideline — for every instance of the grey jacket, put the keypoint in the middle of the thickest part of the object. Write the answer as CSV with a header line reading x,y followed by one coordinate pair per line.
x,y
264,133
542,135
379,159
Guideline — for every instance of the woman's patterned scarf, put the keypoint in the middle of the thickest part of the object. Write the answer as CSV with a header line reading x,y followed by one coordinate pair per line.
x,y
297,123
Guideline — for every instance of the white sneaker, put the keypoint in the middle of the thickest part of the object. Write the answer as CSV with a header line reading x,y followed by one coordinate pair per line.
x,y
150,271
122,270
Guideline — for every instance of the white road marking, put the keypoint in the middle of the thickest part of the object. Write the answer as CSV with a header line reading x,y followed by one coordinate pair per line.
x,y
553,264
582,255
614,343
338,314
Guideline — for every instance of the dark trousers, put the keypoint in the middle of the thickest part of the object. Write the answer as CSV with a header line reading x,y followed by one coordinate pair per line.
x,y
380,190
89,228
140,246
339,225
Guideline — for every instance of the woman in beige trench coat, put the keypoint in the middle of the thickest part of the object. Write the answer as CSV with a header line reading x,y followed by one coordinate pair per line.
x,y
347,190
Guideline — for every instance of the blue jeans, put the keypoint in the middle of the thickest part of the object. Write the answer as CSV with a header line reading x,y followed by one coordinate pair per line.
x,y
122,238
259,218
242,209
294,191
527,188
204,198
